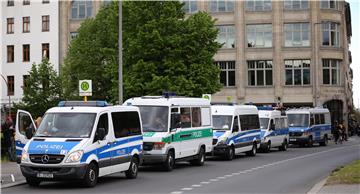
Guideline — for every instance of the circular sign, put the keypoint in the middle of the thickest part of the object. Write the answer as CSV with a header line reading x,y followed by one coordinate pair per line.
x,y
84,86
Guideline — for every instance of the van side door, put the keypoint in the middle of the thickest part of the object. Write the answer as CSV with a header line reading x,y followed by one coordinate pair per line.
x,y
24,125
103,146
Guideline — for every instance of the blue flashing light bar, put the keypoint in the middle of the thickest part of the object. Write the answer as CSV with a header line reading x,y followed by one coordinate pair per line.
x,y
169,94
265,108
98,103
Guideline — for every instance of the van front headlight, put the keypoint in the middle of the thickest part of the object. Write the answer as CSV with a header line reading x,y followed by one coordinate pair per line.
x,y
74,156
24,156
222,140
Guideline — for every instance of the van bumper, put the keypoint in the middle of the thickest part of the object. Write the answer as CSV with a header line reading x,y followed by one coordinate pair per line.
x,y
220,149
153,158
298,140
58,172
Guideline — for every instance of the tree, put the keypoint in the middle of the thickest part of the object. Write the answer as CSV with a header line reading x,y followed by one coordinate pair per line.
x,y
163,51
42,90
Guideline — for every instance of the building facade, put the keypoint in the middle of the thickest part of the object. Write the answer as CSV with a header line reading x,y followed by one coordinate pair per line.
x,y
29,33
292,53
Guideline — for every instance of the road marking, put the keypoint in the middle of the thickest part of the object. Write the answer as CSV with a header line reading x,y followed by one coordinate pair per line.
x,y
176,192
205,182
229,175
267,165
196,185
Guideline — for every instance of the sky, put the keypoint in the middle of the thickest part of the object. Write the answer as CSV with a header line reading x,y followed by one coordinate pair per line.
x,y
355,49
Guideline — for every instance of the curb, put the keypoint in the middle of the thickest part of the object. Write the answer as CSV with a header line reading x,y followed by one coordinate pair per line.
x,y
317,187
13,184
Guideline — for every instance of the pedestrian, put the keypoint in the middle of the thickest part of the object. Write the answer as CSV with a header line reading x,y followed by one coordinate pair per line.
x,y
343,132
9,143
335,130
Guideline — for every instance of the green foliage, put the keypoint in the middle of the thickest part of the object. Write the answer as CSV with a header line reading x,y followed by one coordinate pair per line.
x,y
349,174
163,51
43,89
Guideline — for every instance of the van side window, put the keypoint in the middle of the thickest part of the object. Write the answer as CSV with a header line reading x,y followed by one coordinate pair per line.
x,y
195,117
277,123
312,119
103,123
185,117
205,117
249,122
236,124
322,119
126,124
317,119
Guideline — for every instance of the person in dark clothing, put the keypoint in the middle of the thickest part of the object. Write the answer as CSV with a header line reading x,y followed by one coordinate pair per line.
x,y
336,132
8,132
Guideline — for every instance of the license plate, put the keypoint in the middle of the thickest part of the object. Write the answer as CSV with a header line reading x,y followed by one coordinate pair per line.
x,y
292,139
45,175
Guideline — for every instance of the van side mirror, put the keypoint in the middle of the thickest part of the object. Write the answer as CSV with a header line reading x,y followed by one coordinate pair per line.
x,y
29,132
175,121
100,134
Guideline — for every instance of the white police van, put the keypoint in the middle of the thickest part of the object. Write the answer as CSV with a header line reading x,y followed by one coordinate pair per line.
x,y
175,129
236,130
274,129
82,141
309,125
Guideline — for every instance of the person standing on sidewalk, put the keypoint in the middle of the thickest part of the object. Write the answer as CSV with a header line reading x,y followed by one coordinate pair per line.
x,y
336,132
8,132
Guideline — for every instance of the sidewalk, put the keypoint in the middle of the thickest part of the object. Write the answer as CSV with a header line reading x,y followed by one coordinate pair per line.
x,y
11,174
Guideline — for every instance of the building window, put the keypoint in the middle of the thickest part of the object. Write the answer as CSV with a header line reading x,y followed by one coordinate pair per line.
x,y
26,2
297,72
260,73
227,74
10,53
10,25
296,4
330,34
297,34
25,81
329,4
45,1
258,5
45,50
26,52
331,72
190,6
226,36
11,83
221,6
73,35
10,3
81,9
26,24
259,35
45,23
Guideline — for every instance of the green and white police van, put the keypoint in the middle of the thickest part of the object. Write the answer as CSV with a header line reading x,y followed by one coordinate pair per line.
x,y
175,129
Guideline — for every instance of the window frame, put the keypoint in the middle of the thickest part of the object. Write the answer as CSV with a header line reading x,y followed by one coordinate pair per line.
x,y
293,31
10,3
45,47
293,69
26,52
301,5
45,1
26,24
10,24
254,6
227,7
257,69
228,33
255,29
26,2
10,50
10,85
326,28
45,23
330,67
227,69
326,4
25,81
190,6
77,5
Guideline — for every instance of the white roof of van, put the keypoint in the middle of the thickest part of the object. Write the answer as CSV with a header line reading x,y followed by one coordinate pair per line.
x,y
162,101
307,110
86,109
233,109
269,113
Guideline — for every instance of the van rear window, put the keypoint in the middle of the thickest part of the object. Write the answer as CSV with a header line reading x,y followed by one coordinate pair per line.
x,y
249,122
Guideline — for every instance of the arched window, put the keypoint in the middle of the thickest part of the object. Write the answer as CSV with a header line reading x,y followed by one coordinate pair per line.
x,y
81,9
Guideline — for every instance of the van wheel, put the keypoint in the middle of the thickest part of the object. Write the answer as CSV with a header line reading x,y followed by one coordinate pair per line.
x,y
310,142
325,141
283,146
201,158
91,175
252,152
268,147
230,153
33,182
170,161
132,172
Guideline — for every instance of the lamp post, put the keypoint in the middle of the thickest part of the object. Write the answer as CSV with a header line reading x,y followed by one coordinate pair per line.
x,y
315,77
120,55
7,86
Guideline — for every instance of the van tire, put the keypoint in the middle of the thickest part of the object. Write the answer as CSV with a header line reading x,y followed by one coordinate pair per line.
x,y
325,141
283,146
200,159
91,175
252,152
310,142
170,161
230,153
268,147
33,182
133,170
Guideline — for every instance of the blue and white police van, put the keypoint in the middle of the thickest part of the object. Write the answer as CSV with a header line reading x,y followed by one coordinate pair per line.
x,y
309,125
81,141
274,129
236,130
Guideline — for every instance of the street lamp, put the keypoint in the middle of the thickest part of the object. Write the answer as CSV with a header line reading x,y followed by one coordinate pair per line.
x,y
7,86
120,55
315,77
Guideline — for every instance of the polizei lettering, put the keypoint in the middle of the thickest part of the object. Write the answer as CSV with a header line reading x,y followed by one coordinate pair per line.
x,y
56,147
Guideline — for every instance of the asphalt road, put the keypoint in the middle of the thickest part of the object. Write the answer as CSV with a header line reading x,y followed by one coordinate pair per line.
x,y
293,171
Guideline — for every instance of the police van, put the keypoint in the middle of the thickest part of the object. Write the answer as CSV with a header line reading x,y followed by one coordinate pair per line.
x,y
309,125
274,129
175,129
82,141
236,130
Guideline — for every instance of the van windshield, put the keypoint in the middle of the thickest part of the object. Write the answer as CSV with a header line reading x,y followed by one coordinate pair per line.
x,y
154,118
222,122
298,120
264,123
66,125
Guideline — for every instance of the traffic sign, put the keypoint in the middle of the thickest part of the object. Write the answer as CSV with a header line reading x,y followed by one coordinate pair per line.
x,y
85,87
